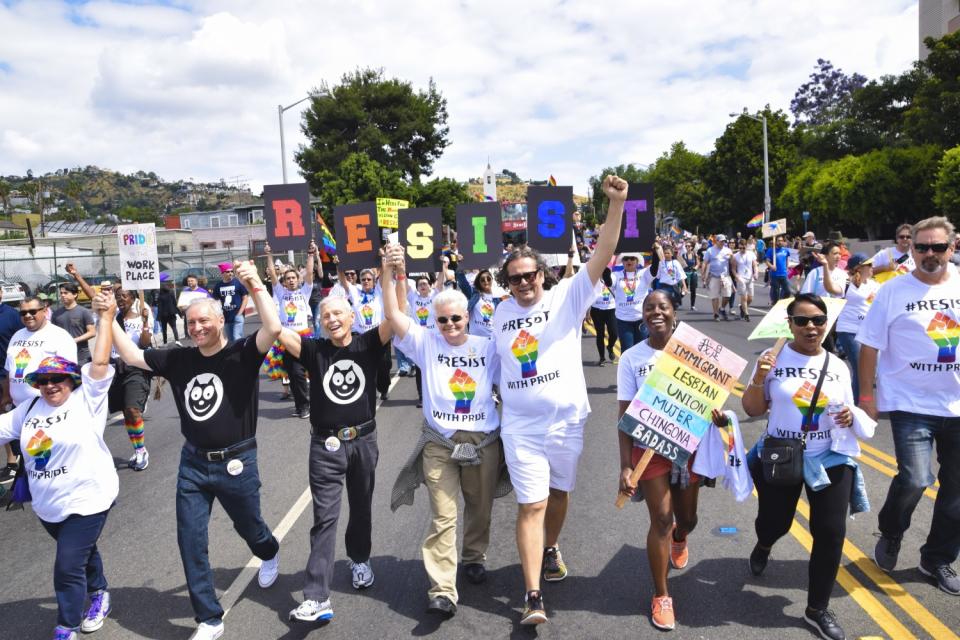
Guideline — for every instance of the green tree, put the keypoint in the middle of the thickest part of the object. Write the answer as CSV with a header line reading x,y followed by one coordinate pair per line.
x,y
934,114
5,189
679,186
386,119
947,186
446,193
359,179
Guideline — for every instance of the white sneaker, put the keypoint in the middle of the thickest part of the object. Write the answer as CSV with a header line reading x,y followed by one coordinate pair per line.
x,y
139,460
269,570
206,631
362,574
311,611
97,612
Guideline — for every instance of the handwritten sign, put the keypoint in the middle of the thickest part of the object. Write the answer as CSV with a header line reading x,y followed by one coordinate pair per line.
x,y
139,265
672,411
287,216
774,325
387,212
774,228
638,230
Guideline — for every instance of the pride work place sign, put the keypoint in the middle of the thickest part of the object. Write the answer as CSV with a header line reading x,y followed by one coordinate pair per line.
x,y
139,265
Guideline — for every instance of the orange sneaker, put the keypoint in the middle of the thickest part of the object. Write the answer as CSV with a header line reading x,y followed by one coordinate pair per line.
x,y
679,556
662,613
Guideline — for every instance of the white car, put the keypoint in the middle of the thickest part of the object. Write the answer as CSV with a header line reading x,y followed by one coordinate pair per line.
x,y
12,294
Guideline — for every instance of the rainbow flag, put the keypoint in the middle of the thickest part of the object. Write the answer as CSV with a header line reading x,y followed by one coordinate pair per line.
x,y
328,246
755,221
675,230
552,181
488,199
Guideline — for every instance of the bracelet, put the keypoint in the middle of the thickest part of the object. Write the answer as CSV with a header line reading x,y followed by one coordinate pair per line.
x,y
400,276
866,398
755,386
257,289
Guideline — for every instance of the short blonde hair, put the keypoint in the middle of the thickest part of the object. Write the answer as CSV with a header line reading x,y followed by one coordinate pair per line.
x,y
452,297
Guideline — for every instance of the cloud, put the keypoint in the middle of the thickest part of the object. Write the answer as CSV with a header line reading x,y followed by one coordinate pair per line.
x,y
190,89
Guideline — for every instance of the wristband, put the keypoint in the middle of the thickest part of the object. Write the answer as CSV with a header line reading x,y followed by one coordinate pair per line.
x,y
866,398
754,385
257,289
401,276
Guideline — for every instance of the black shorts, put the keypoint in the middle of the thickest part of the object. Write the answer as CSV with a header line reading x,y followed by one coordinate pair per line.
x,y
129,390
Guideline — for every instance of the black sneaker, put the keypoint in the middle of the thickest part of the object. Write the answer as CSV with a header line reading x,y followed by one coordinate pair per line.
x,y
9,472
944,575
443,606
601,362
533,611
304,413
476,573
825,623
758,559
723,313
716,317
886,552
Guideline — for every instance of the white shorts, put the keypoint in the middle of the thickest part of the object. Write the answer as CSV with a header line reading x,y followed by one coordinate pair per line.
x,y
720,287
745,288
543,461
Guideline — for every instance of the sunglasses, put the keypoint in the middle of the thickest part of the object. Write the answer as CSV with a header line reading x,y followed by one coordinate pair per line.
x,y
445,319
29,312
366,279
484,279
228,271
44,381
802,321
527,277
350,274
904,237
922,247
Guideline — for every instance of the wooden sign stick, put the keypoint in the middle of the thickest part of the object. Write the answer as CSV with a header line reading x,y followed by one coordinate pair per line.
x,y
777,348
635,475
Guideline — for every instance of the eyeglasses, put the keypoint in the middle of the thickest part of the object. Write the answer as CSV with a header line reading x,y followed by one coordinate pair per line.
x,y
802,321
904,237
29,312
527,277
44,381
350,274
922,247
445,319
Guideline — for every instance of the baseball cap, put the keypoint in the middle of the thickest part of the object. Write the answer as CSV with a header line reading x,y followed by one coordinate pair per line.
x,y
721,237
858,260
809,234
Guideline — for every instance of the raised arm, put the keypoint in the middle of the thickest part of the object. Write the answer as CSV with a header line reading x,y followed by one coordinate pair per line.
x,y
128,352
393,258
100,358
83,284
311,259
398,320
271,270
269,329
616,191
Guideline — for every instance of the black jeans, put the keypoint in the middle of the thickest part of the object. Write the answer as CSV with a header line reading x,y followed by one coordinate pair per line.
x,y
604,321
172,322
298,381
828,525
383,371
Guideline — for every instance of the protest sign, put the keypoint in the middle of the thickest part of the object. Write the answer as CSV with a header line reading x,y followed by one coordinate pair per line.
x,y
358,241
139,266
186,297
549,218
774,324
419,233
638,230
774,228
479,239
673,409
387,209
287,215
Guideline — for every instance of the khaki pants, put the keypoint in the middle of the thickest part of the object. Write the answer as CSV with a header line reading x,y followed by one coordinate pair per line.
x,y
445,479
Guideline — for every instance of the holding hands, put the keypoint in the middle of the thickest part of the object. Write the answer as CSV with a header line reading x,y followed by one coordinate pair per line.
x,y
105,304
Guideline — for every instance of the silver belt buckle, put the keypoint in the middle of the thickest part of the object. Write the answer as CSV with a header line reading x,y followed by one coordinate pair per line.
x,y
216,456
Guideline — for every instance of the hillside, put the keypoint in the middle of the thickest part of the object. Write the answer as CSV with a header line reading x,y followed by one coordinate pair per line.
x,y
510,192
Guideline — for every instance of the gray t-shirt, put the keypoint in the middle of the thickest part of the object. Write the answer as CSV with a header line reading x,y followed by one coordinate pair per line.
x,y
75,321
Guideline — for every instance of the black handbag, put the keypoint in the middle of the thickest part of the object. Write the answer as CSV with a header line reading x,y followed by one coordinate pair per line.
x,y
782,458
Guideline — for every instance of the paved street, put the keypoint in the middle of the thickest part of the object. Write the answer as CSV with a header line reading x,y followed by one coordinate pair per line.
x,y
607,594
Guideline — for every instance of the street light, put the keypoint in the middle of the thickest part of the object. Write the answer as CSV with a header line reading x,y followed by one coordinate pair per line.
x,y
766,164
283,148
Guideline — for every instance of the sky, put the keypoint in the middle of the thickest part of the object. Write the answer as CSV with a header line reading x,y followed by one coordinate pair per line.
x,y
190,89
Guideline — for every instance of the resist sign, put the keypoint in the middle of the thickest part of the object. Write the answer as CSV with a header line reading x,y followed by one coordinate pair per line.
x,y
358,237
139,267
479,239
287,215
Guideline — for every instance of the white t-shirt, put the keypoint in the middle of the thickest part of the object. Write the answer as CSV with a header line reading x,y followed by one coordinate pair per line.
x,y
457,380
481,316
421,309
605,299
916,329
892,255
635,365
25,352
814,282
630,289
789,387
670,272
367,308
859,300
132,327
541,366
69,467
745,265
718,259
294,306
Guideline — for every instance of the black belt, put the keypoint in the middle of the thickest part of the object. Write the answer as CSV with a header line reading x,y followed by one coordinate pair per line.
x,y
345,433
219,455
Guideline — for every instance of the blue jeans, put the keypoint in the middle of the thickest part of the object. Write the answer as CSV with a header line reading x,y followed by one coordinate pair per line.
x,y
630,333
198,483
779,288
914,436
317,325
848,342
403,362
78,569
234,329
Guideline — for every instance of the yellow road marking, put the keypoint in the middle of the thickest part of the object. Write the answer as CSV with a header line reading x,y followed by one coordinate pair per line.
x,y
885,457
887,471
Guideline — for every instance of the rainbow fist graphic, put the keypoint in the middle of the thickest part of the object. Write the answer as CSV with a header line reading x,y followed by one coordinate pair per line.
x,y
486,311
366,312
39,448
524,349
629,289
21,360
802,399
464,388
422,315
606,294
945,332
291,310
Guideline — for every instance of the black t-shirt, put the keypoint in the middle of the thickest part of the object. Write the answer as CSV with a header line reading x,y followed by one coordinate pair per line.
x,y
343,389
216,396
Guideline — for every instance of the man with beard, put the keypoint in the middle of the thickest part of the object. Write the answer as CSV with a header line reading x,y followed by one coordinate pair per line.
x,y
913,324
215,387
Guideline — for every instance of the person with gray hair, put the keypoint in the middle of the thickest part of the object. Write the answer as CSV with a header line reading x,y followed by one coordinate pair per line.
x,y
909,341
216,389
459,447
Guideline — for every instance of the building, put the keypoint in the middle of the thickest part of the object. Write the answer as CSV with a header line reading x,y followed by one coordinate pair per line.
x,y
937,19
489,184
235,228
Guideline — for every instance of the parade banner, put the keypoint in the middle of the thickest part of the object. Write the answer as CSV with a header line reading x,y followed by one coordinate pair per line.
x,y
287,215
774,228
387,212
673,409
358,238
479,239
638,230
420,235
139,265
775,325
549,218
